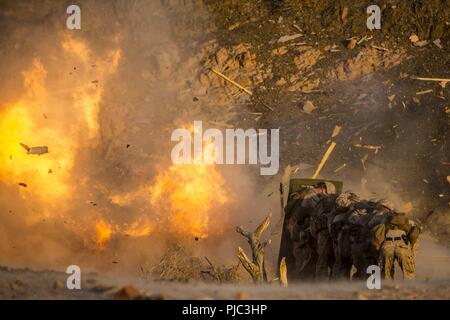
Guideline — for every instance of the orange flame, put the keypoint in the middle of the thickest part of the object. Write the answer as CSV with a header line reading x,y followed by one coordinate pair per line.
x,y
104,231
190,196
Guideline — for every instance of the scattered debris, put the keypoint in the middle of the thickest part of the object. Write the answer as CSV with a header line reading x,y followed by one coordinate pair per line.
x,y
413,38
297,27
281,82
380,48
308,106
437,43
422,43
324,159
351,43
336,131
231,81
340,168
365,38
419,93
368,146
404,105
363,161
279,51
35,150
233,26
440,80
289,38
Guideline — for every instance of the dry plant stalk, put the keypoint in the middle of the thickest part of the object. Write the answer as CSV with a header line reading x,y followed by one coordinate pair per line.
x,y
283,273
256,266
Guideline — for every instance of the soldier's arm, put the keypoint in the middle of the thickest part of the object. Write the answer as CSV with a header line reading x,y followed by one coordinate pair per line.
x,y
413,235
378,232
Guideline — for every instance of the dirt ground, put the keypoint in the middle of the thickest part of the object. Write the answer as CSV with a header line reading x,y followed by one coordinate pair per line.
x,y
433,282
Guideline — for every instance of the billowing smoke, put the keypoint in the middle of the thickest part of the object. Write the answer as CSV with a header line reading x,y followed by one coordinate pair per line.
x,y
104,100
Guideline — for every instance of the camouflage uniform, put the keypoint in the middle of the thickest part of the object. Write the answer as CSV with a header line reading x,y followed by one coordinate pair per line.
x,y
360,238
396,239
340,229
320,232
304,245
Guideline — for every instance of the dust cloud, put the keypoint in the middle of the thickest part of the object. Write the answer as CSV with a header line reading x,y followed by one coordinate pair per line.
x,y
105,99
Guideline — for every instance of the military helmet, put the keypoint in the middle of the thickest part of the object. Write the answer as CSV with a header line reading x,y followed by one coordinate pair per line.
x,y
346,199
399,219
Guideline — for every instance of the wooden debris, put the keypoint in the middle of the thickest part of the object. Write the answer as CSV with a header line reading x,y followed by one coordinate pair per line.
x,y
308,106
232,82
419,93
240,87
351,43
380,48
266,105
413,38
365,38
289,38
256,266
35,150
233,26
368,146
283,273
363,161
437,43
340,168
421,43
324,159
336,131
432,79
297,27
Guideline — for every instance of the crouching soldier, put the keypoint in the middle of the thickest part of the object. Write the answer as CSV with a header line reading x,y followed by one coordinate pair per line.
x,y
304,245
340,234
395,240
319,231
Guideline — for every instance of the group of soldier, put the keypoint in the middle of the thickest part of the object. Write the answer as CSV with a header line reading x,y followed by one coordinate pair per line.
x,y
338,236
